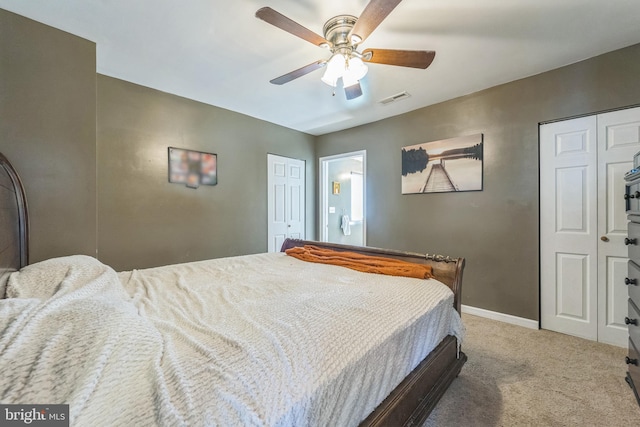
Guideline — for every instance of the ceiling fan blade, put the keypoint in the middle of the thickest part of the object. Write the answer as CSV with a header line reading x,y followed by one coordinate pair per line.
x,y
298,73
353,91
403,58
372,15
279,20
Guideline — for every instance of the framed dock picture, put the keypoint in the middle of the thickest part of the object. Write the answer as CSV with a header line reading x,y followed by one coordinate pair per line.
x,y
443,166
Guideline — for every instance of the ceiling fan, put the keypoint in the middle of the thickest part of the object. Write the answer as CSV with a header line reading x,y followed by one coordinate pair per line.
x,y
342,36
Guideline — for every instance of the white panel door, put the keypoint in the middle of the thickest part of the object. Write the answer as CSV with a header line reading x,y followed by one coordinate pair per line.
x,y
618,141
286,200
583,223
295,183
568,227
277,202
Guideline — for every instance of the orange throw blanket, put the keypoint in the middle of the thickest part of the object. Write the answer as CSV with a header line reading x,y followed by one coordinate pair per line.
x,y
364,263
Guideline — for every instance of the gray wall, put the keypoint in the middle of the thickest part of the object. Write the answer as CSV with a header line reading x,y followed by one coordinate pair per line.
x,y
92,152
143,220
48,131
496,230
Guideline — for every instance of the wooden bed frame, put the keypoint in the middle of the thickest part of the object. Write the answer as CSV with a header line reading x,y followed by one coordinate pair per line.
x,y
415,397
14,224
408,405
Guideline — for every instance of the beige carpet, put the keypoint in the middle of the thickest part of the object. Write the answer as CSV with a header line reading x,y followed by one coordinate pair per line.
x,y
523,377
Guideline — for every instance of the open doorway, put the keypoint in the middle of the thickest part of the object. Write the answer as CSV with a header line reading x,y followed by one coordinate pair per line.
x,y
343,198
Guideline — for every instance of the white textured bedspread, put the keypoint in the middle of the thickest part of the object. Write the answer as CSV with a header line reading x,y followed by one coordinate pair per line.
x,y
255,340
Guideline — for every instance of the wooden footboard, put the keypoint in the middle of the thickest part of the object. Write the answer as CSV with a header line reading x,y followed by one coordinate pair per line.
x,y
445,269
412,401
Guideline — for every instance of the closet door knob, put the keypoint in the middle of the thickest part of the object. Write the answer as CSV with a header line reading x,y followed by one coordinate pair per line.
x,y
628,196
628,281
628,321
628,241
630,361
635,195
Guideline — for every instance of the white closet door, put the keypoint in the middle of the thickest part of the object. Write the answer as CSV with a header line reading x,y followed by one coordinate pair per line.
x,y
295,183
286,200
583,224
568,227
618,141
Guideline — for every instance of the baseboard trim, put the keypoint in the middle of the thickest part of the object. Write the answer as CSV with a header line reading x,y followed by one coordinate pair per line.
x,y
501,317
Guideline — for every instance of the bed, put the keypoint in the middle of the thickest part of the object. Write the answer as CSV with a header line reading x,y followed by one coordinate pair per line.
x,y
262,339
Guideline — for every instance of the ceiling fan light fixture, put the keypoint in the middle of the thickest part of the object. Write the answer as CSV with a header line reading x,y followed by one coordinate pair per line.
x,y
349,80
335,69
355,70
351,70
333,82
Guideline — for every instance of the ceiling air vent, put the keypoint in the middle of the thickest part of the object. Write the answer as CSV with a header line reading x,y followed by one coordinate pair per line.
x,y
394,98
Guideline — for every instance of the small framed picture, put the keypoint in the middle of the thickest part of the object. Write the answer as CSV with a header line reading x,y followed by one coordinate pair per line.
x,y
336,187
192,168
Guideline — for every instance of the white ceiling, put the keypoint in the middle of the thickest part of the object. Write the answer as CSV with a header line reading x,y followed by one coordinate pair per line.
x,y
217,52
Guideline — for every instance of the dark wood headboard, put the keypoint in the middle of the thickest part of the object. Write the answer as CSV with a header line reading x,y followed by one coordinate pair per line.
x,y
14,222
445,269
